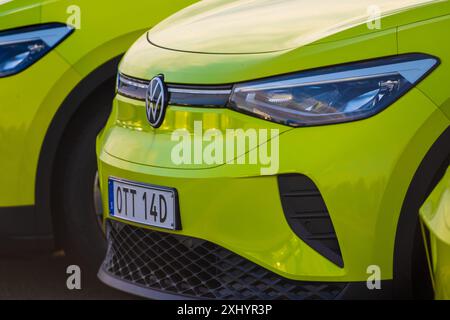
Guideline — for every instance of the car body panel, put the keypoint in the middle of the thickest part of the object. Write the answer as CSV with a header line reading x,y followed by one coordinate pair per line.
x,y
101,37
24,123
144,61
435,215
20,13
133,131
31,98
223,26
421,37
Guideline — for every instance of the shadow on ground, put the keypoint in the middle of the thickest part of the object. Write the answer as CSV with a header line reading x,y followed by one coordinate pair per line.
x,y
44,277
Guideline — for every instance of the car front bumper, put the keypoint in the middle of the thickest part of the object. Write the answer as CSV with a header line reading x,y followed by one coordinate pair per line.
x,y
361,169
164,266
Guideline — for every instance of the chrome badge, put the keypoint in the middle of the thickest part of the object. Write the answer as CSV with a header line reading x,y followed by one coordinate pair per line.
x,y
156,101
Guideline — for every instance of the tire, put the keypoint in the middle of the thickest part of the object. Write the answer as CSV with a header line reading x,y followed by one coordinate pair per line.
x,y
78,220
422,286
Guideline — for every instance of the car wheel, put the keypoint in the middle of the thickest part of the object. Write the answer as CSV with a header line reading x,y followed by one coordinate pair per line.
x,y
79,205
83,238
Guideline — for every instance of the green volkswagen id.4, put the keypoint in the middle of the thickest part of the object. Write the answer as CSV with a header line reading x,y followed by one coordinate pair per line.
x,y
277,150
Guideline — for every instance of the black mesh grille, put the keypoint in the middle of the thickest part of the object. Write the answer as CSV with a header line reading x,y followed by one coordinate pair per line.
x,y
196,268
308,215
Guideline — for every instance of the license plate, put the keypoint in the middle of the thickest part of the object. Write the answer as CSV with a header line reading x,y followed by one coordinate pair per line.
x,y
145,204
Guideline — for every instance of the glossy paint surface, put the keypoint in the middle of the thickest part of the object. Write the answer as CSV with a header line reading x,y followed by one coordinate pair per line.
x,y
30,99
249,26
363,169
435,214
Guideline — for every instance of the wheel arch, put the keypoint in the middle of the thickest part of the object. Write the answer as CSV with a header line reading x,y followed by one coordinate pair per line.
x,y
428,174
72,105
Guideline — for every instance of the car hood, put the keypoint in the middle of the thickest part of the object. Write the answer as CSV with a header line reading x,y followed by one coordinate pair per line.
x,y
257,26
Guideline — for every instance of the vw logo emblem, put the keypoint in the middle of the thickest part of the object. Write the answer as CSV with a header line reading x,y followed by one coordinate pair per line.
x,y
156,101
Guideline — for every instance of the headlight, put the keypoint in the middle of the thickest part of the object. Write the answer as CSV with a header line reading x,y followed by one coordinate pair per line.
x,y
22,47
332,95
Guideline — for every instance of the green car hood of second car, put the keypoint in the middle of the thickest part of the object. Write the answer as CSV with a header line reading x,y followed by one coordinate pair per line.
x,y
257,26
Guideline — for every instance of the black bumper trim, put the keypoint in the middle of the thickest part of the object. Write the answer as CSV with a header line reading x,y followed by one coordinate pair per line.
x,y
159,265
140,291
352,291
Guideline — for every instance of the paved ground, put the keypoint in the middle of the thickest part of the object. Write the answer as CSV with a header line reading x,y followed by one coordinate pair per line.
x,y
44,277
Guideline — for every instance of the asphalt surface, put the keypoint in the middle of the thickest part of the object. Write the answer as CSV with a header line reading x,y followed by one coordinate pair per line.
x,y
44,277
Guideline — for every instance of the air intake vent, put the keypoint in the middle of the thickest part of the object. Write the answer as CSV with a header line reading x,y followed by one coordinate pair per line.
x,y
308,215
154,263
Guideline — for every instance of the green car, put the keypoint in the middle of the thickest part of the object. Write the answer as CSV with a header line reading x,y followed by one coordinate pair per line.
x,y
277,150
435,215
58,63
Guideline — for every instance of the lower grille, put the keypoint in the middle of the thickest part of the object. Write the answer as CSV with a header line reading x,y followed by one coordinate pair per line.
x,y
193,268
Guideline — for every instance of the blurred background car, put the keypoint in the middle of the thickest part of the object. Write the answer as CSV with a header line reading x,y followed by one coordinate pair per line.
x,y
58,62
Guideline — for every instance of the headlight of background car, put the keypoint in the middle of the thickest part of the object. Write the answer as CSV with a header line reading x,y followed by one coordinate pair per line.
x,y
332,95
20,48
